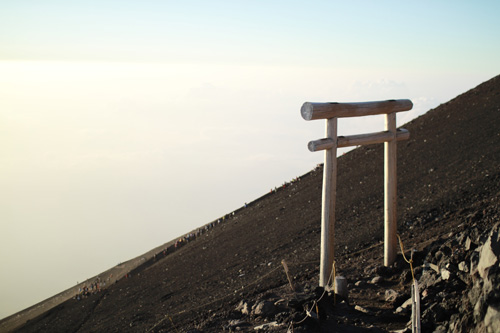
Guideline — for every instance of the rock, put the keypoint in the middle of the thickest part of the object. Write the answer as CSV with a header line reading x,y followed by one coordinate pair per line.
x,y
474,261
427,279
404,307
361,309
490,286
461,237
280,302
245,307
454,323
439,255
475,292
404,330
435,313
400,310
237,323
468,243
462,266
234,314
479,309
489,252
441,329
400,299
264,309
432,266
266,326
445,274
391,295
492,320
377,280
406,303
383,271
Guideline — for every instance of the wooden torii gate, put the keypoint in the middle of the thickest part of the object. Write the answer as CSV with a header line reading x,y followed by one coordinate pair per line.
x,y
330,112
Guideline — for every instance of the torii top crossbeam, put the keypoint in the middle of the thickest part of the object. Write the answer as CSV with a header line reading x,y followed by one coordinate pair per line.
x,y
313,111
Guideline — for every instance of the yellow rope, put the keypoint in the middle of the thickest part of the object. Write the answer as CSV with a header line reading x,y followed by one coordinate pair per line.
x,y
408,261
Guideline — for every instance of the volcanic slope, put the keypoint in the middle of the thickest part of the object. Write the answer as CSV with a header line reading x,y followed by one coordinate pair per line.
x,y
449,168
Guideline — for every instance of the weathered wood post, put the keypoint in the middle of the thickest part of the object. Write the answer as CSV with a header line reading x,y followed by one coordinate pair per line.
x,y
328,204
330,112
390,189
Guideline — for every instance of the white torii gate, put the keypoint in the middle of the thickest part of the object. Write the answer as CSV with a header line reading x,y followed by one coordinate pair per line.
x,y
330,112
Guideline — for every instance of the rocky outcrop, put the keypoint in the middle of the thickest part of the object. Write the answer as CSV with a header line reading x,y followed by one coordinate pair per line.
x,y
460,282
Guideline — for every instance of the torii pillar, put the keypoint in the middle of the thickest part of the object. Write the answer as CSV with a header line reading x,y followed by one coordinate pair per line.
x,y
330,112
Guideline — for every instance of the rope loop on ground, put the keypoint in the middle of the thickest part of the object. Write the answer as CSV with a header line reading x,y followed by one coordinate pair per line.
x,y
315,303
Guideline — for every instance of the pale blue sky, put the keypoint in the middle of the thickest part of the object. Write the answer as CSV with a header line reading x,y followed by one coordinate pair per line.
x,y
430,34
105,105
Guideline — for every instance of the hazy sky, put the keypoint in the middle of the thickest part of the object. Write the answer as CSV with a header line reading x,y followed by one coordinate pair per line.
x,y
124,124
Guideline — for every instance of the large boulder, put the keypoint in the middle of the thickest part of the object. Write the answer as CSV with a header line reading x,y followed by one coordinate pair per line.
x,y
490,252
